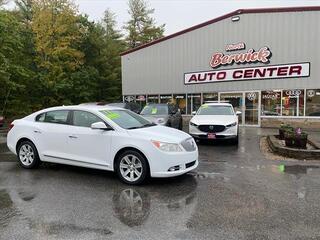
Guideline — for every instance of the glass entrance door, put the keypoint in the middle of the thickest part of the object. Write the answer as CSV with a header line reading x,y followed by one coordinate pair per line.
x,y
236,99
251,114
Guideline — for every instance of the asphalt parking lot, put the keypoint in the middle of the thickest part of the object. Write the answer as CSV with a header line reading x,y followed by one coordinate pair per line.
x,y
236,193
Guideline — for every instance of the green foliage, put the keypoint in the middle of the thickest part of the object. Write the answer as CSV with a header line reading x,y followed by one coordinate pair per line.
x,y
52,55
141,27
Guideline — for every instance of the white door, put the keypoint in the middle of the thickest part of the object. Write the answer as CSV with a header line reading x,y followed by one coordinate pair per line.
x,y
50,133
88,145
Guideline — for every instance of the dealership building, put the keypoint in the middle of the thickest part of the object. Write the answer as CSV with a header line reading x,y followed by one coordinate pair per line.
x,y
265,62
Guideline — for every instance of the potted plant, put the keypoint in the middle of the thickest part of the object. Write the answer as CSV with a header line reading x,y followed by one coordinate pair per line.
x,y
283,128
289,137
301,138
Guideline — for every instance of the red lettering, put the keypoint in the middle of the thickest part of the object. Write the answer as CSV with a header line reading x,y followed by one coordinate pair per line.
x,y
221,75
282,71
203,78
237,74
260,72
271,70
193,78
296,70
248,73
216,60
210,75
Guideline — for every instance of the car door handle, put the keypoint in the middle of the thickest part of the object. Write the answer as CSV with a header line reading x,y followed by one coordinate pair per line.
x,y
37,131
73,137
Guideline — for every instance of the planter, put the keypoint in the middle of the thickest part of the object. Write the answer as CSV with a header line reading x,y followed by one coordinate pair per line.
x,y
301,143
289,141
283,129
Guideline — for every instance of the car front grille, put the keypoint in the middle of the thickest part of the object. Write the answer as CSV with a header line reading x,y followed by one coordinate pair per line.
x,y
189,145
212,128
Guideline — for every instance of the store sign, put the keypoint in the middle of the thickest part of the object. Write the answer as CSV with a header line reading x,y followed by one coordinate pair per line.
x,y
264,72
251,56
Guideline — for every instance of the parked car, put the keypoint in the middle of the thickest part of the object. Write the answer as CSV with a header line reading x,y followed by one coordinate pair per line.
x,y
132,106
215,121
102,137
163,114
1,121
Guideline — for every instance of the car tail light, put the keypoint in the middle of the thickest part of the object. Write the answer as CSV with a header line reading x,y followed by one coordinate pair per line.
x,y
11,126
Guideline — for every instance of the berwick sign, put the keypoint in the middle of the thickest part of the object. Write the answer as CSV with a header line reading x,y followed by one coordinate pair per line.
x,y
263,55
266,72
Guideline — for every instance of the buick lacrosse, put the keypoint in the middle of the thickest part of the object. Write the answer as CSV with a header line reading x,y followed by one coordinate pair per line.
x,y
101,137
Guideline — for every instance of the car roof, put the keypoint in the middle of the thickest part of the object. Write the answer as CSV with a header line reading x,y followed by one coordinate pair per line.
x,y
218,104
82,107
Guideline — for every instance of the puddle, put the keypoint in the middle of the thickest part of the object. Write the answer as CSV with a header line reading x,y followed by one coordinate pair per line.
x,y
57,228
26,196
131,206
7,211
296,169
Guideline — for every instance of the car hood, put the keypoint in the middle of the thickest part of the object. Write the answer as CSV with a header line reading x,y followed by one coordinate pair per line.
x,y
214,119
155,117
160,133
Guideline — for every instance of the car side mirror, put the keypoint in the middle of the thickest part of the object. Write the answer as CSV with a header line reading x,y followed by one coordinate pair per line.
x,y
100,126
238,113
194,113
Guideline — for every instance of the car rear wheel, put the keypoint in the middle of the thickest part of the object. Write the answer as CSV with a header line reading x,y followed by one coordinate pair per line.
x,y
132,167
28,155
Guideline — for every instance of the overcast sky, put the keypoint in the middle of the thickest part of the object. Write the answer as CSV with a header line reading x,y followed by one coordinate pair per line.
x,y
181,14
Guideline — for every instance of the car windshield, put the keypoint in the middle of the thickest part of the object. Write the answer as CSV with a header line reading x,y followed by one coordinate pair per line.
x,y
155,109
126,119
215,110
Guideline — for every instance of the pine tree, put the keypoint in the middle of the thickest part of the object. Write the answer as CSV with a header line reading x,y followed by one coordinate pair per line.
x,y
141,28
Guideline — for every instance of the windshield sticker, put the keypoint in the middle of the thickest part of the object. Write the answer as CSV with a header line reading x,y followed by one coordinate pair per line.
x,y
154,111
111,115
204,106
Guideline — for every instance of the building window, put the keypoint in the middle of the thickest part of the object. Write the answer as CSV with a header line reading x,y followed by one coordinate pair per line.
x,y
194,102
153,98
129,98
207,97
313,102
271,103
181,102
293,102
141,99
165,98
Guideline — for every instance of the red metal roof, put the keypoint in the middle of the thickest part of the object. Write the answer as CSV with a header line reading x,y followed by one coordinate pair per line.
x,y
237,12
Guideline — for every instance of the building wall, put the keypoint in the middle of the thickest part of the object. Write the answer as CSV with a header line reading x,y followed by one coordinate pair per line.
x,y
292,37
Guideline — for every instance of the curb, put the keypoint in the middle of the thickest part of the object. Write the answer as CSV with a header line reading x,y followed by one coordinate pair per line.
x,y
300,154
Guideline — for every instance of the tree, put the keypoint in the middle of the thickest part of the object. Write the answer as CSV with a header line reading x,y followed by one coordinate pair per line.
x,y
57,33
141,28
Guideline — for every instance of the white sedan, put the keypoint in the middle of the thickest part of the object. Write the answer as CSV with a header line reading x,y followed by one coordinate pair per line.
x,y
107,138
215,121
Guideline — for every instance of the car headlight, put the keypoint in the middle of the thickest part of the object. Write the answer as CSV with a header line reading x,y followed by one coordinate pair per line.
x,y
232,124
193,124
167,147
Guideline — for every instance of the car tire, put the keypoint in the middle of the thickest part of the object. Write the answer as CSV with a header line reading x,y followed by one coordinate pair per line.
x,y
132,167
28,155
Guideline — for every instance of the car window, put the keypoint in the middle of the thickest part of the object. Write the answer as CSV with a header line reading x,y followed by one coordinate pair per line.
x,y
215,110
41,117
60,117
84,119
126,119
155,109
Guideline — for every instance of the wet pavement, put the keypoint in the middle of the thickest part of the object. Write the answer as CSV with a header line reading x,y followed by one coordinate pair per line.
x,y
234,194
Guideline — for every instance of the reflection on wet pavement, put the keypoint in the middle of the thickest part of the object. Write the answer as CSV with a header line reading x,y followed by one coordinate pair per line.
x,y
234,194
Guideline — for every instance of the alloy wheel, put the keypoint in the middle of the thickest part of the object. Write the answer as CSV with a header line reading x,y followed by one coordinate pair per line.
x,y
26,154
131,168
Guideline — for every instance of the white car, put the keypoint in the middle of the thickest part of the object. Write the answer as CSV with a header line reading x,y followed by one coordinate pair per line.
x,y
102,137
215,121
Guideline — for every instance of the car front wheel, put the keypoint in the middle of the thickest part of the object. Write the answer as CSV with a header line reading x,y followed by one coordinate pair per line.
x,y
132,167
28,155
